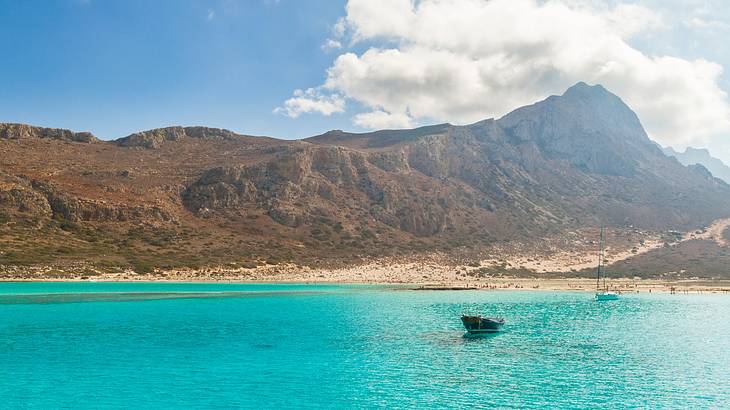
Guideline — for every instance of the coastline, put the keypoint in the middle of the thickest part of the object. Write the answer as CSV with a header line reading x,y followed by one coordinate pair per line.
x,y
557,271
555,268
586,285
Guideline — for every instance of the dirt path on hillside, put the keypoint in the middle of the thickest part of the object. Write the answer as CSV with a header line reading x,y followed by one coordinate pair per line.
x,y
713,232
570,260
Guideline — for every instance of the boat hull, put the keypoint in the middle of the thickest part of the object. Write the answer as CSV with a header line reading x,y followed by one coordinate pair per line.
x,y
606,296
478,324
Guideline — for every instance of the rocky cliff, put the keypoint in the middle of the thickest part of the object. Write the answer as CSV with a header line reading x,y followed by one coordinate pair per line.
x,y
23,131
154,138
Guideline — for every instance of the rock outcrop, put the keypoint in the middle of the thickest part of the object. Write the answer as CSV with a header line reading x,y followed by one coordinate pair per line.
x,y
19,195
300,185
156,137
76,209
23,131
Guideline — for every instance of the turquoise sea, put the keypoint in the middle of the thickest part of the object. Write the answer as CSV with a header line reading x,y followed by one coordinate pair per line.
x,y
162,345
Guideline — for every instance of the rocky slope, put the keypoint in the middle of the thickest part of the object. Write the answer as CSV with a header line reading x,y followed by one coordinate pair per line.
x,y
195,196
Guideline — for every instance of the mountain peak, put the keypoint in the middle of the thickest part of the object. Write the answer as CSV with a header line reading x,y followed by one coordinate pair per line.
x,y
698,151
584,88
588,126
590,107
585,93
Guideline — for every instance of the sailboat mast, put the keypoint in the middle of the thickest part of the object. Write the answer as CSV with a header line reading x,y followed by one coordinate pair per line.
x,y
600,260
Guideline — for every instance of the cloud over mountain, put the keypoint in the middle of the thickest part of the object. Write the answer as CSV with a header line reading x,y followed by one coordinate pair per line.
x,y
465,60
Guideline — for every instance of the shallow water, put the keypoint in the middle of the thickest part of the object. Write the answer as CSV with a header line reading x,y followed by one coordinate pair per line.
x,y
150,345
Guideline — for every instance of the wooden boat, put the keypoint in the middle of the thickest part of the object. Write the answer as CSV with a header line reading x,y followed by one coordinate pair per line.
x,y
602,292
479,324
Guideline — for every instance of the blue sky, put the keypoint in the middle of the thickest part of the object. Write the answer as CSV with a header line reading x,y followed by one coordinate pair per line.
x,y
297,68
115,67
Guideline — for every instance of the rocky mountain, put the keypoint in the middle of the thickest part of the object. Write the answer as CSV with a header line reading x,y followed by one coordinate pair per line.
x,y
701,156
196,196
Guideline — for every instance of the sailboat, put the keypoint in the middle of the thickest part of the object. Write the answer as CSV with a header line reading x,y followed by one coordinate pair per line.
x,y
602,292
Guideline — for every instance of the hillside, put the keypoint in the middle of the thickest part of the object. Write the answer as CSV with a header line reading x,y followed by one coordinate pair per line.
x,y
196,196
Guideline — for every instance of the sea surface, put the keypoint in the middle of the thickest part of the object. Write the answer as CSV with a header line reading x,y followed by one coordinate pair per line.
x,y
166,345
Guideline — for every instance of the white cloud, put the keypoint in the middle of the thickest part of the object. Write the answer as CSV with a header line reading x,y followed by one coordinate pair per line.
x,y
379,119
702,23
211,15
339,29
629,19
465,60
331,44
311,100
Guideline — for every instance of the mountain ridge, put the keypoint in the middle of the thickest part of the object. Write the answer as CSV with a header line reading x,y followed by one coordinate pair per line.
x,y
701,156
180,196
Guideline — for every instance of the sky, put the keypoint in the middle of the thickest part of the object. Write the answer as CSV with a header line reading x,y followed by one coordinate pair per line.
x,y
297,68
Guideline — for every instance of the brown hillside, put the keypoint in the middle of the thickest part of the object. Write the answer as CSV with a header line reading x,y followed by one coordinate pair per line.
x,y
195,196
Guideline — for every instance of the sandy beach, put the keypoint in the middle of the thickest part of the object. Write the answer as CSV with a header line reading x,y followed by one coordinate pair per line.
x,y
429,272
411,276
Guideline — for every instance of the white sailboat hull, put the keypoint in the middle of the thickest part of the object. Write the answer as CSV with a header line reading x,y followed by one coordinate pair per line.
x,y
606,296
602,294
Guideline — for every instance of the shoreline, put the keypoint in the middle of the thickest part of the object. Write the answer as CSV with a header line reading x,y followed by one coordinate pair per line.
x,y
555,266
587,285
